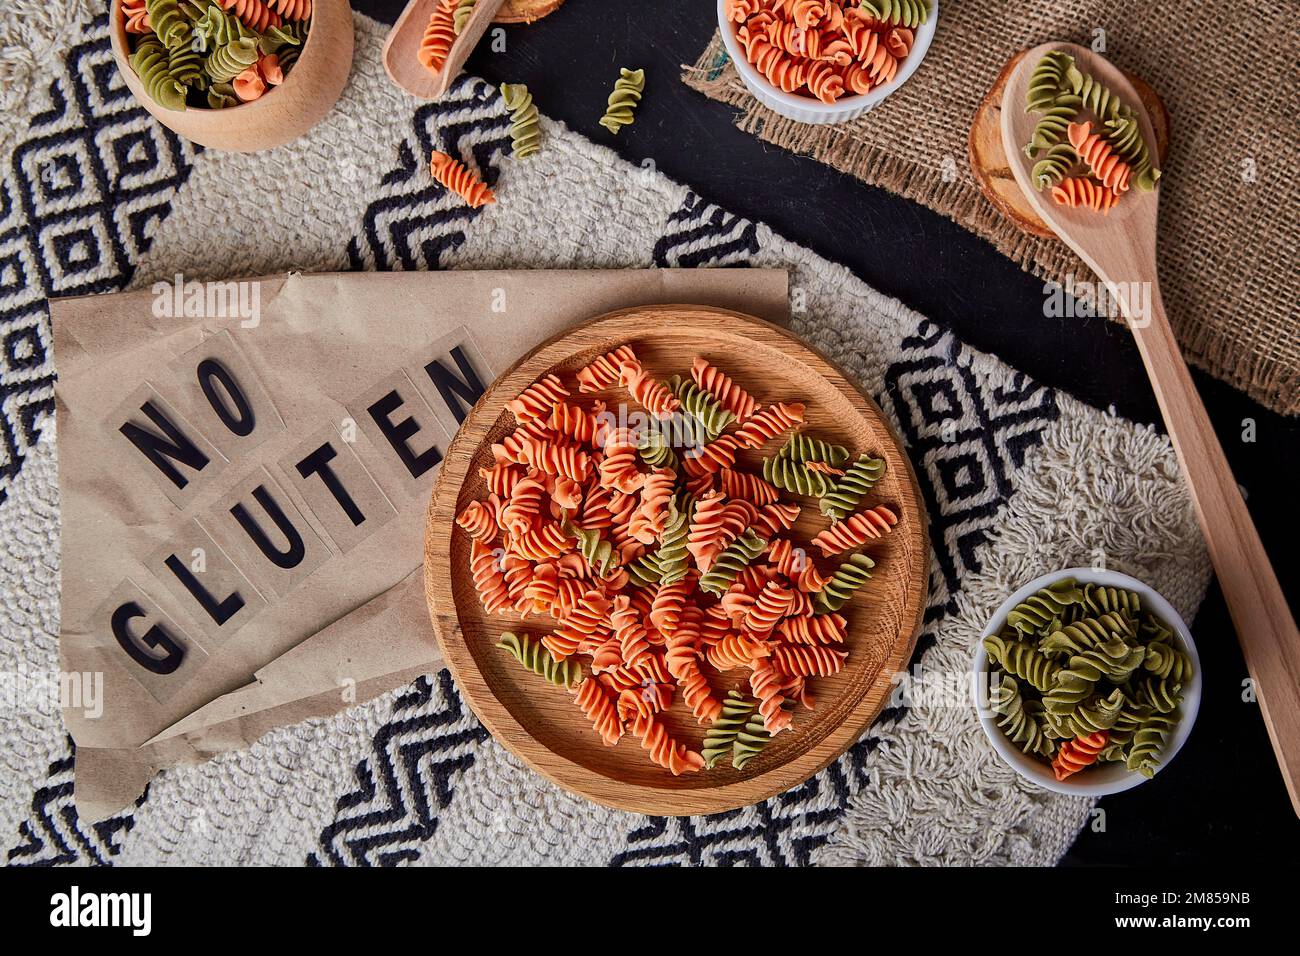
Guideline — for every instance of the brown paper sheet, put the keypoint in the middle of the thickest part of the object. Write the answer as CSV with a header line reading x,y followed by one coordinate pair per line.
x,y
319,401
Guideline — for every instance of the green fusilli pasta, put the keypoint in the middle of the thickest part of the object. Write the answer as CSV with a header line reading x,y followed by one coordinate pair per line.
x,y
460,16
1161,695
1124,133
907,13
1099,599
1022,660
525,131
150,63
1044,606
221,96
1047,81
1051,125
672,556
170,25
1087,633
644,571
623,101
1148,741
734,559
1018,724
749,742
655,451
1115,660
595,550
720,738
227,62
792,476
534,657
1093,94
1053,165
847,493
1091,715
803,448
848,578
1167,662
711,417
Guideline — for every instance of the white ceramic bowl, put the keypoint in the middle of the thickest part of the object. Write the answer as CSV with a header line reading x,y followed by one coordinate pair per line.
x,y
1103,778
807,109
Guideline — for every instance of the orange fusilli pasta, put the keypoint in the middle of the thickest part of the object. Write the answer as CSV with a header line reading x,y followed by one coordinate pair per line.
x,y
460,180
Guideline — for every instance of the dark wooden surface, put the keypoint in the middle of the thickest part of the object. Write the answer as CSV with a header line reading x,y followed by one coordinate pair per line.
x,y
1222,800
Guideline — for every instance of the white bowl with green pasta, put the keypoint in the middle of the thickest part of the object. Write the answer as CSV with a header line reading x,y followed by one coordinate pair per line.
x,y
1085,662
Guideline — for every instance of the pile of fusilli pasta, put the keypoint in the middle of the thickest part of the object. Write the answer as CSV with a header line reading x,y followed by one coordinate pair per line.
x,y
827,48
663,564
213,53
1084,165
1083,673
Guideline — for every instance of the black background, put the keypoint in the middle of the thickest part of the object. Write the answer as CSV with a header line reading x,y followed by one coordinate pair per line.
x,y
1222,799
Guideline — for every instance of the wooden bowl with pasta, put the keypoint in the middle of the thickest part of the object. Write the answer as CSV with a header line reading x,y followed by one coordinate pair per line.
x,y
544,721
285,112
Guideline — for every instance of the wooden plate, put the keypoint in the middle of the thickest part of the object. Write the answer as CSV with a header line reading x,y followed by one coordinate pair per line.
x,y
540,723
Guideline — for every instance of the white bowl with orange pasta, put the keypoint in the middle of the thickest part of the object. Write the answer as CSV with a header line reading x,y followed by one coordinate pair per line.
x,y
850,71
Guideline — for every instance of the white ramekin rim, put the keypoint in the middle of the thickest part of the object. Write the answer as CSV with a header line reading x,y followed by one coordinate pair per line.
x,y
1102,779
809,109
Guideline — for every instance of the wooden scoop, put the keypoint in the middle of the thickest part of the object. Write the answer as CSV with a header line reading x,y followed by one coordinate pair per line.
x,y
1121,249
402,47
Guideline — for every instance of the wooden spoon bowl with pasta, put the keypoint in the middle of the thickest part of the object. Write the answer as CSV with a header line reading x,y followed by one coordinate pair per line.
x,y
539,721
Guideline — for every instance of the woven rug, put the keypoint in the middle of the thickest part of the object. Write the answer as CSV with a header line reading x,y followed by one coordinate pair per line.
x,y
1017,477
1227,223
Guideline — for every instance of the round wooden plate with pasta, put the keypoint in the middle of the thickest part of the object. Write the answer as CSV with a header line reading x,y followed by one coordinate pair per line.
x,y
542,722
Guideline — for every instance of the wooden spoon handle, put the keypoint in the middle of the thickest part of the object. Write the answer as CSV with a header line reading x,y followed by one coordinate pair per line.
x,y
1259,610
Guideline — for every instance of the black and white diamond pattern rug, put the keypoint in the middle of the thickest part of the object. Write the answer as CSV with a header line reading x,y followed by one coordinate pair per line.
x,y
95,196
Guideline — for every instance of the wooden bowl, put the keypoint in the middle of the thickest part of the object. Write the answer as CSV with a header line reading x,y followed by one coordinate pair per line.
x,y
539,722
283,113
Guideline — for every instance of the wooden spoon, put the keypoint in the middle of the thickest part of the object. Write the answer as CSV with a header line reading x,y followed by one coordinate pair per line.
x,y
402,47
1121,249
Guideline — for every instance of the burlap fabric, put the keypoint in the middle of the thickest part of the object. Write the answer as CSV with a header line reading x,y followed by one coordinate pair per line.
x,y
1228,229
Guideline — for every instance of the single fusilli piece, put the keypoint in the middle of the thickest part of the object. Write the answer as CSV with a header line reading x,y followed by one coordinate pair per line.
x,y
623,101
525,130
150,63
461,15
856,530
848,578
1047,81
459,180
1100,157
795,477
1021,727
720,738
1023,661
1082,192
1078,753
1044,606
532,656
731,561
438,37
849,490
908,13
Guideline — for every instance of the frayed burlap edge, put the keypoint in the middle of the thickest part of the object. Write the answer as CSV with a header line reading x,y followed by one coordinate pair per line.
x,y
1261,376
